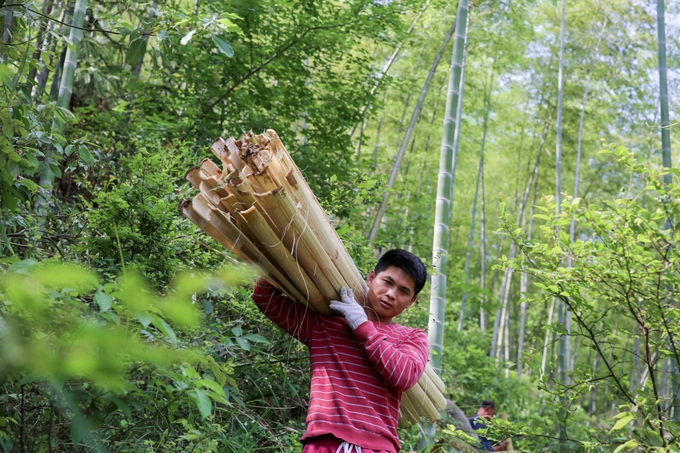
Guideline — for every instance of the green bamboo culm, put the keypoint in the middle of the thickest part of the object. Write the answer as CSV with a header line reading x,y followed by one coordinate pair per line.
x,y
563,347
442,222
666,162
66,85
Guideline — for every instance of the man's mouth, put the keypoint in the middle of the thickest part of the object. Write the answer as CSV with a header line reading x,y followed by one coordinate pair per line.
x,y
385,304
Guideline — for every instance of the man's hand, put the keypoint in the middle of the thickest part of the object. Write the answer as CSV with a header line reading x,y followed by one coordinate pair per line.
x,y
350,308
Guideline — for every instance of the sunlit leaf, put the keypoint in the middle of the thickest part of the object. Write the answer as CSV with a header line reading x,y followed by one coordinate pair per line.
x,y
187,37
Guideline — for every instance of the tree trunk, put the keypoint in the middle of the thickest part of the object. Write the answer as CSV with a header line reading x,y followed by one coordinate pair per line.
x,y
7,29
666,161
482,251
391,60
65,88
41,43
562,311
468,256
503,296
440,242
523,289
407,136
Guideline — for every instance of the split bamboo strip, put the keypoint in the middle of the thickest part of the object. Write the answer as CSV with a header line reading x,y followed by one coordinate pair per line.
x,y
297,237
241,247
193,176
243,190
311,241
238,242
260,228
318,218
432,393
210,168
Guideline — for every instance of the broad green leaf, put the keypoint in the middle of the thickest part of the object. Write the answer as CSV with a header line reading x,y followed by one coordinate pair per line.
x,y
627,446
203,402
224,46
256,338
136,50
243,343
5,75
85,155
30,185
164,327
103,300
622,422
212,385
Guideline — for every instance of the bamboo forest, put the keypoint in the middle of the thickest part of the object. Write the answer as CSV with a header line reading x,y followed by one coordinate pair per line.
x,y
522,149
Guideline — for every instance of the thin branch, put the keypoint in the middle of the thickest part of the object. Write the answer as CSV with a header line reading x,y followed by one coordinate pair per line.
x,y
254,71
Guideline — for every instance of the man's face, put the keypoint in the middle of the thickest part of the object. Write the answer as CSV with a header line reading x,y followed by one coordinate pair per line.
x,y
487,412
389,293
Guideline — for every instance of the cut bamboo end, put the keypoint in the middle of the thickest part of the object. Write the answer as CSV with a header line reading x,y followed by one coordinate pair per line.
x,y
434,377
422,403
432,393
408,410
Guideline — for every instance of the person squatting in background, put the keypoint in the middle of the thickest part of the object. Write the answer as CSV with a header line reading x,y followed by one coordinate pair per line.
x,y
487,409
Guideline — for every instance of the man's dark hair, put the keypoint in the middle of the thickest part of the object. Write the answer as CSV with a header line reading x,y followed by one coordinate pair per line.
x,y
488,404
407,262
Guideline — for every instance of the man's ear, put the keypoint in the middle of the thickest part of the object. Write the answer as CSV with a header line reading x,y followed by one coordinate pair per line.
x,y
370,277
415,298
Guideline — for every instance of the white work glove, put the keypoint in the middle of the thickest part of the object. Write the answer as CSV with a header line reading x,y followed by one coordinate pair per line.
x,y
350,308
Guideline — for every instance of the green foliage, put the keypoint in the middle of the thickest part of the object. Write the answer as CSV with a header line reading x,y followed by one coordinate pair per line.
x,y
130,222
102,355
624,276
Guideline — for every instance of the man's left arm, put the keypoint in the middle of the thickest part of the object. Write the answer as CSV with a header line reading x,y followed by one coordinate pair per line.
x,y
401,365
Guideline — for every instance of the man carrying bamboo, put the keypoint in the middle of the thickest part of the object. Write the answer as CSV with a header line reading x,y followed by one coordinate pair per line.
x,y
361,362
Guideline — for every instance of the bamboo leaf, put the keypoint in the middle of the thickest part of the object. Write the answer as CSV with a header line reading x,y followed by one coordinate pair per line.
x,y
135,51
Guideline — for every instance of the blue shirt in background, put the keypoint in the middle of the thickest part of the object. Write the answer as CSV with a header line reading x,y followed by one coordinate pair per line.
x,y
477,423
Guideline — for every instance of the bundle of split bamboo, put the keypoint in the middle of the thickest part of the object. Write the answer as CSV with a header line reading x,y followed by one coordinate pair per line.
x,y
259,206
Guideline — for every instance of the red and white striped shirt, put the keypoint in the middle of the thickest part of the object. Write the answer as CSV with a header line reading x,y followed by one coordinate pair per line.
x,y
356,377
